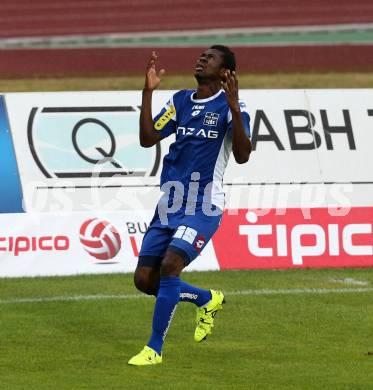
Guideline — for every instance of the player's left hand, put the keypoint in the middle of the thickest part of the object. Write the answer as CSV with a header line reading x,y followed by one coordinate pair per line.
x,y
230,86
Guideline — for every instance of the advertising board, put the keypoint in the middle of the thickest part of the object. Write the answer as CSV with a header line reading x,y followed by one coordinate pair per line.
x,y
10,185
47,244
80,151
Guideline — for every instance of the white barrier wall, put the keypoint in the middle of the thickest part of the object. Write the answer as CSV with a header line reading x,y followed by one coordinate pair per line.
x,y
318,137
80,242
304,199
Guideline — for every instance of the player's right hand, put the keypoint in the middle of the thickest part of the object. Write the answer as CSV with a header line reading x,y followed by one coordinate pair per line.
x,y
152,78
230,86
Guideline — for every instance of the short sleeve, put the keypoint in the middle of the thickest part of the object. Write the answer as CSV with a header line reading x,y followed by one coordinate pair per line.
x,y
245,117
165,120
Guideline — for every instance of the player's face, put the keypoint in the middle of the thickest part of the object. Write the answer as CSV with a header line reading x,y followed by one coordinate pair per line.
x,y
209,65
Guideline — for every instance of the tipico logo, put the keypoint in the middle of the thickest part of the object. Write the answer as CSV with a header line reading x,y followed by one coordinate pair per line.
x,y
100,239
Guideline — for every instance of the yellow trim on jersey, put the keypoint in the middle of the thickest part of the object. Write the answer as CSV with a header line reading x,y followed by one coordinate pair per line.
x,y
165,118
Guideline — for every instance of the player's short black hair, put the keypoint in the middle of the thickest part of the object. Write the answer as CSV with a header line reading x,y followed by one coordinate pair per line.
x,y
229,59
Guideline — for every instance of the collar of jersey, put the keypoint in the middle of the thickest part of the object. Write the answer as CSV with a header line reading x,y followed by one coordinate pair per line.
x,y
205,100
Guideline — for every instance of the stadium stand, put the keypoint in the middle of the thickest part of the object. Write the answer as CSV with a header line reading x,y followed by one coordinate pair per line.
x,y
40,38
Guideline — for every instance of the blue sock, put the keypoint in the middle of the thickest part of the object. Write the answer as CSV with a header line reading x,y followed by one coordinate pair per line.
x,y
193,294
165,306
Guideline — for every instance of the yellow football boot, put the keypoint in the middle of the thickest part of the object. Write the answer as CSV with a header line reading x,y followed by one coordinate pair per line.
x,y
146,357
206,315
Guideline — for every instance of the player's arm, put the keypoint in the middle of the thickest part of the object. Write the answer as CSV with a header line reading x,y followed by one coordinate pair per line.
x,y
148,135
241,145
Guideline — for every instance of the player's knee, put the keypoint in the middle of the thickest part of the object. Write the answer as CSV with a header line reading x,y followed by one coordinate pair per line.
x,y
143,284
172,265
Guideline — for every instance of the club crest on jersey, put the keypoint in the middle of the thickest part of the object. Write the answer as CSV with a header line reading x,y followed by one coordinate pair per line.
x,y
211,119
199,243
165,118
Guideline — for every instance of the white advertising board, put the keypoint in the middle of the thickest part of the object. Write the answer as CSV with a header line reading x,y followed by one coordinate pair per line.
x,y
47,244
80,151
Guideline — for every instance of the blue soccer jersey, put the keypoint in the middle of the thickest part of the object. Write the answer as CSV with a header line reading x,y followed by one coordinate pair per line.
x,y
203,144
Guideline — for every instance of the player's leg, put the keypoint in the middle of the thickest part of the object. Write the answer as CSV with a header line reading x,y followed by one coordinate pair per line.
x,y
167,299
146,277
194,294
147,273
157,274
153,247
190,239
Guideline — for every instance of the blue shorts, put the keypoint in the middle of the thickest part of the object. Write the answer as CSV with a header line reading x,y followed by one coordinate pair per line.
x,y
186,235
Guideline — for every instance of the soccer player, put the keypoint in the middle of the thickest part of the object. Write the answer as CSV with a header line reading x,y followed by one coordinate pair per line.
x,y
209,122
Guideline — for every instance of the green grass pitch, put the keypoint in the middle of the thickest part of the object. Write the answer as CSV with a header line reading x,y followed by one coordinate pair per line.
x,y
295,329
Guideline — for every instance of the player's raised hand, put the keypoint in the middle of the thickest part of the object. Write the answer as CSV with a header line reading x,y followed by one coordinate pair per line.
x,y
153,78
230,86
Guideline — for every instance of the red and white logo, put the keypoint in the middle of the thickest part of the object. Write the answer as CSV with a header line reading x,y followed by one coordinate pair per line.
x,y
100,239
289,240
199,243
